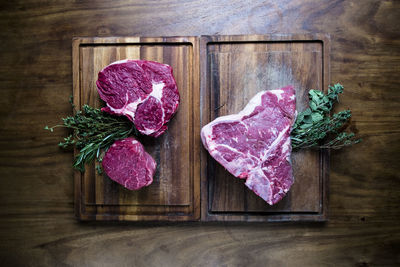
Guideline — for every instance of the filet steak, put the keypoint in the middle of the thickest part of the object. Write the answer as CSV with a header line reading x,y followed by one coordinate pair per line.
x,y
144,91
127,163
255,143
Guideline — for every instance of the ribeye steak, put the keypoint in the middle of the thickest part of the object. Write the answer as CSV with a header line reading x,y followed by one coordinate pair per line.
x,y
144,91
127,163
255,143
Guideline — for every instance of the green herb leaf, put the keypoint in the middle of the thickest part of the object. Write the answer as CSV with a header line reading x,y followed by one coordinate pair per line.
x,y
315,128
307,112
316,117
93,131
313,106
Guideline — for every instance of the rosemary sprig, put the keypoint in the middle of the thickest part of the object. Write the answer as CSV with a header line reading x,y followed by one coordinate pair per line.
x,y
94,131
314,128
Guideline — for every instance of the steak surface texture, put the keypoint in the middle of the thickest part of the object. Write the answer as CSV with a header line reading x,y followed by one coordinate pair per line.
x,y
127,163
144,91
255,143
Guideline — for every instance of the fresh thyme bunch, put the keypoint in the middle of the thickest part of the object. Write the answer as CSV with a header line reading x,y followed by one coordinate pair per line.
x,y
94,131
315,128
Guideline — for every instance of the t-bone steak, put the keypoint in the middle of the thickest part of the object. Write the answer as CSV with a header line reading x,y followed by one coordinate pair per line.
x,y
144,91
127,163
255,143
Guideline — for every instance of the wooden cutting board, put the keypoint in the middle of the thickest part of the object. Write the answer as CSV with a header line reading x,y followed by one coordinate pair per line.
x,y
216,75
233,70
175,192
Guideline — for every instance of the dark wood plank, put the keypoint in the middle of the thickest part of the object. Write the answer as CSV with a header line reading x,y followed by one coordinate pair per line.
x,y
172,194
235,68
37,226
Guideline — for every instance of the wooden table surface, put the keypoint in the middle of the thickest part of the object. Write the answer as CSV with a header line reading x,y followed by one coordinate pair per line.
x,y
37,226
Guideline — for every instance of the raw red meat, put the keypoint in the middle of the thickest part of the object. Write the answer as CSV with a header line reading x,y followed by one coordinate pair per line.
x,y
144,91
127,163
255,143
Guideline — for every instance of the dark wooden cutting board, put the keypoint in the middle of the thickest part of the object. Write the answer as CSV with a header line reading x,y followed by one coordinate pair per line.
x,y
233,70
216,75
175,192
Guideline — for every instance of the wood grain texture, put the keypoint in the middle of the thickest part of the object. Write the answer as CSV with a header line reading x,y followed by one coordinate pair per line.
x,y
174,193
37,226
234,69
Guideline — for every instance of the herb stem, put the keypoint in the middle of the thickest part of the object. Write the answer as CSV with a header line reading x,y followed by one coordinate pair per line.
x,y
94,131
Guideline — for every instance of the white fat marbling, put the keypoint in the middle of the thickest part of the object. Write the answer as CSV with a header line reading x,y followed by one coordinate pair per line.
x,y
157,90
278,93
119,61
130,109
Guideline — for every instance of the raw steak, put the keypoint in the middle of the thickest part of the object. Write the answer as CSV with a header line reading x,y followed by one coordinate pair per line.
x,y
128,164
144,91
255,143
